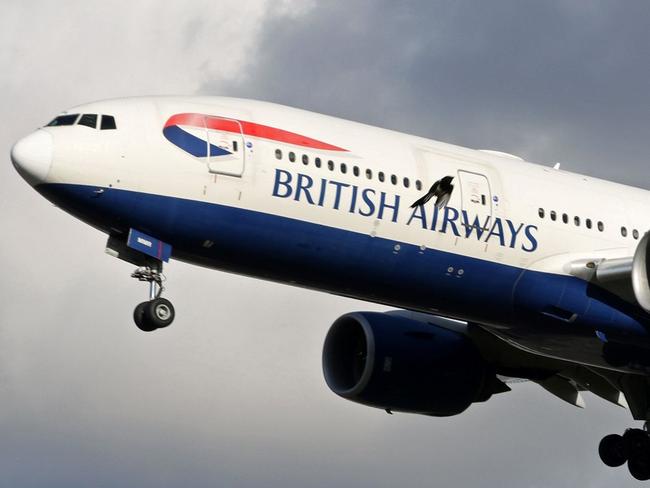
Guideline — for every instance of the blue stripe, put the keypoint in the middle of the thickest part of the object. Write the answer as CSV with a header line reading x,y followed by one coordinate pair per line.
x,y
194,145
358,265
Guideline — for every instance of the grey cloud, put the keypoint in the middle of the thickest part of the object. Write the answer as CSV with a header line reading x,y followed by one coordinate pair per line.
x,y
552,81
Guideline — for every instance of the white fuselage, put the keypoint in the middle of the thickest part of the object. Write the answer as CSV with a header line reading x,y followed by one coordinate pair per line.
x,y
325,203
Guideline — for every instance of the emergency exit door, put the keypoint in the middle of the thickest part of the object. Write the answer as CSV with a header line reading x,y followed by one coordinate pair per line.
x,y
225,137
476,196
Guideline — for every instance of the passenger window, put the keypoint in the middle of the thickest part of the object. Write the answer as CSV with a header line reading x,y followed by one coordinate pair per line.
x,y
393,179
305,159
380,175
108,122
369,174
576,220
89,120
565,218
623,231
69,119
317,162
330,165
407,183
278,154
540,212
234,146
553,215
635,234
418,185
292,157
355,170
588,223
344,168
601,226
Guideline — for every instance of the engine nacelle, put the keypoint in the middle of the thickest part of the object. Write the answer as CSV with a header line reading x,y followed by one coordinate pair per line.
x,y
399,364
640,273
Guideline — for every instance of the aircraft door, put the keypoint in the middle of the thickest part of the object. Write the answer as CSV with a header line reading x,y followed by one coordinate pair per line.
x,y
476,196
227,153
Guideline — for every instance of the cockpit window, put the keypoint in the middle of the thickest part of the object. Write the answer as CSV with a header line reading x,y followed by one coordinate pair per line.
x,y
68,119
89,120
108,122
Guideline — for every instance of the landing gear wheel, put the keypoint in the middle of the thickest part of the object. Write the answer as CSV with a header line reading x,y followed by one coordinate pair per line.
x,y
636,443
639,468
159,313
140,320
612,451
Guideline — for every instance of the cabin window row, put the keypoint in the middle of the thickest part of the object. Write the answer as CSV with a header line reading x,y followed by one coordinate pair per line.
x,y
577,221
343,168
635,233
587,222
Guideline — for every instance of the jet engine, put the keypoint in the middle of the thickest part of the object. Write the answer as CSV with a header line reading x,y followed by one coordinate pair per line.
x,y
404,365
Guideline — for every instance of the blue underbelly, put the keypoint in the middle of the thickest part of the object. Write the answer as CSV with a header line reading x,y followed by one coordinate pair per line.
x,y
353,264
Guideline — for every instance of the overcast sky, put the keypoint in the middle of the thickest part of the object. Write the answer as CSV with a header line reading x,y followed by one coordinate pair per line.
x,y
232,394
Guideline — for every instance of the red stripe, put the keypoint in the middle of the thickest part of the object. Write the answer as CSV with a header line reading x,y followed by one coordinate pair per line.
x,y
250,129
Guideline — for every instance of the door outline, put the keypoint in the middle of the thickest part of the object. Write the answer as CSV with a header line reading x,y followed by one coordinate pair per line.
x,y
226,165
465,197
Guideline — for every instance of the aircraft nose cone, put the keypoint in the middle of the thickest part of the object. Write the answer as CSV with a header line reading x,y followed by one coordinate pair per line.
x,y
32,156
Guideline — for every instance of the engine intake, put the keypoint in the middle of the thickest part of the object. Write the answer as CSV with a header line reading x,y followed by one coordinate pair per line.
x,y
392,362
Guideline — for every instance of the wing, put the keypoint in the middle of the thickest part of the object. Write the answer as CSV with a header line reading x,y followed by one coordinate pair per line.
x,y
434,191
422,200
443,199
563,379
514,363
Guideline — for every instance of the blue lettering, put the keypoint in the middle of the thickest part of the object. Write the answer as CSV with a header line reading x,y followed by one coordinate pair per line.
x,y
304,183
323,187
515,232
383,205
449,219
282,182
363,202
528,231
434,221
470,227
337,198
420,214
353,201
496,230
368,201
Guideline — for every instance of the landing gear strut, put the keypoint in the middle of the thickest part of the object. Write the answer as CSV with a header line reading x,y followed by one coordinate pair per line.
x,y
157,312
633,446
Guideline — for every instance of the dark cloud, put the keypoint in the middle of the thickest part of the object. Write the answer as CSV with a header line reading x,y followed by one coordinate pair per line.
x,y
551,81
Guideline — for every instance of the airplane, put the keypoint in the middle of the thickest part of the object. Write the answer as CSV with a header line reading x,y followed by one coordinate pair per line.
x,y
500,270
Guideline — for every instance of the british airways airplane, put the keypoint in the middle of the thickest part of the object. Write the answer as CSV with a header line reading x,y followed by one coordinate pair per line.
x,y
500,268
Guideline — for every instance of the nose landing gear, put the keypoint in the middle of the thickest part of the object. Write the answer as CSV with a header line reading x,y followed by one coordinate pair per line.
x,y
157,312
633,446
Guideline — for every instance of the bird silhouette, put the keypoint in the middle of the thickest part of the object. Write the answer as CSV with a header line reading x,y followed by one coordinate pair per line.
x,y
441,189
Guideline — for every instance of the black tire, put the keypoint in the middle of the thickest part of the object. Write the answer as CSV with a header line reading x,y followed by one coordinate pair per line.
x,y
140,318
636,443
639,468
612,450
159,312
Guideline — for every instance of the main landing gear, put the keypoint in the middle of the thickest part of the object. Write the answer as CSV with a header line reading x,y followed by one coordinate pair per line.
x,y
157,312
632,447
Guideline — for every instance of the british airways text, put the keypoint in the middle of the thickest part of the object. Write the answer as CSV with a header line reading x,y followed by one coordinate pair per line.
x,y
369,202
